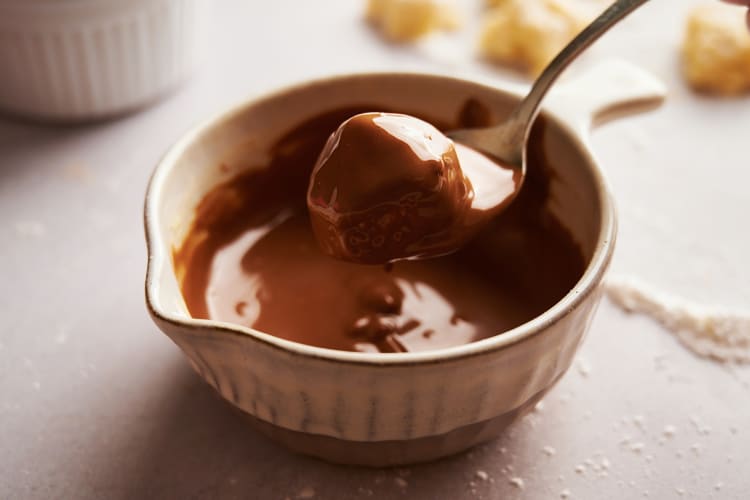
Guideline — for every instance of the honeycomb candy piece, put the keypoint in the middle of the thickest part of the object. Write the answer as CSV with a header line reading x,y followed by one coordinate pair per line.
x,y
716,50
527,34
407,20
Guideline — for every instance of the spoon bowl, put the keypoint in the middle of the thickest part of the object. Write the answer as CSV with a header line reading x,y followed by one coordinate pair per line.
x,y
506,142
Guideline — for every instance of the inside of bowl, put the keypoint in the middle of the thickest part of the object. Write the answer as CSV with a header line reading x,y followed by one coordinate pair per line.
x,y
239,140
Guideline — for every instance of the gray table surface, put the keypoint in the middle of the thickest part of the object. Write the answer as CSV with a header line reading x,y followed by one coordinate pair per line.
x,y
96,403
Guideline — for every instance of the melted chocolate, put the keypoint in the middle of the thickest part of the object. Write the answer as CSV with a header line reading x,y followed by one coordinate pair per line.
x,y
387,187
251,258
391,187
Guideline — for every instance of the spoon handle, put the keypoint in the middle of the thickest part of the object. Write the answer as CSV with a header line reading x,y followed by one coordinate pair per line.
x,y
519,124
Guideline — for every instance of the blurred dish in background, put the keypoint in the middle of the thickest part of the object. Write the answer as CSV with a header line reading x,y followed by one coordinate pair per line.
x,y
89,59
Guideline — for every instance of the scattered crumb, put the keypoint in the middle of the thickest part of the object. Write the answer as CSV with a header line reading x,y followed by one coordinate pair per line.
x,y
306,492
639,420
716,50
549,451
605,463
584,368
565,493
649,458
696,448
401,482
718,486
539,406
517,482
408,20
669,430
580,469
637,447
480,474
716,334
680,491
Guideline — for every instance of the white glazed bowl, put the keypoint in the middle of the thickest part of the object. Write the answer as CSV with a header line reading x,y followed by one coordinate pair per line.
x,y
378,409
74,60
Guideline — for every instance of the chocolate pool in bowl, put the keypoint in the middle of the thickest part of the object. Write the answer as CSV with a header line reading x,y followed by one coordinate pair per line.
x,y
489,329
250,258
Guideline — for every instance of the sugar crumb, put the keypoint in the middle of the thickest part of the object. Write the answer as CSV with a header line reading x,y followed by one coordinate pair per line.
x,y
401,482
584,368
517,482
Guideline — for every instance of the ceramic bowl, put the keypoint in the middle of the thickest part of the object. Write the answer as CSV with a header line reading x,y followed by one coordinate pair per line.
x,y
388,409
77,60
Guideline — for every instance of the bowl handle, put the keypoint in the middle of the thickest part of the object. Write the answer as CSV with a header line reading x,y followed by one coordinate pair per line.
x,y
604,92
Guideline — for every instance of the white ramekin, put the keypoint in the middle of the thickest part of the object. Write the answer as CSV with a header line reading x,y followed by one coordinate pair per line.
x,y
87,59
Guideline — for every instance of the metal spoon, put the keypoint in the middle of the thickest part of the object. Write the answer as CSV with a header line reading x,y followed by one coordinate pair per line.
x,y
506,143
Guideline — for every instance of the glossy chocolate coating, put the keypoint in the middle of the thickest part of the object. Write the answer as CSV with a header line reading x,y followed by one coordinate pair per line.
x,y
386,187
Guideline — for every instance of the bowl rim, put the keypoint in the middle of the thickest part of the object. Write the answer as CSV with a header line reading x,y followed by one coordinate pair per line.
x,y
157,250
